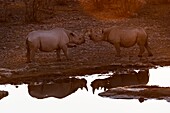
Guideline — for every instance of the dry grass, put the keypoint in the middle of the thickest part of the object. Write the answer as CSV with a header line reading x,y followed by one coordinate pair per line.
x,y
102,9
112,8
158,1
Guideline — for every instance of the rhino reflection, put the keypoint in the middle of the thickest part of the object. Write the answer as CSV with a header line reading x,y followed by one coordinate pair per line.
x,y
117,80
59,89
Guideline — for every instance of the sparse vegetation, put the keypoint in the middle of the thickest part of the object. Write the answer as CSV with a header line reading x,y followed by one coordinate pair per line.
x,y
112,8
109,9
39,10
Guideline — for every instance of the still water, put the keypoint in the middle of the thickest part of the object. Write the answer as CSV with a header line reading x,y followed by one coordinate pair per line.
x,y
82,101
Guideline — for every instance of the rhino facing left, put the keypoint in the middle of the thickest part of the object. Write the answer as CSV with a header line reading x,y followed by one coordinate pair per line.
x,y
49,40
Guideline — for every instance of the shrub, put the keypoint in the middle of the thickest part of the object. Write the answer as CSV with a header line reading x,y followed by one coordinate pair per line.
x,y
36,10
158,1
112,8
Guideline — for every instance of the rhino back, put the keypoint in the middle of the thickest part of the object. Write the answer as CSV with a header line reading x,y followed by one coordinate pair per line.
x,y
48,40
110,34
125,37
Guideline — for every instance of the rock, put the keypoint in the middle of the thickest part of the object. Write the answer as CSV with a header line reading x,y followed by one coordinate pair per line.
x,y
4,47
16,47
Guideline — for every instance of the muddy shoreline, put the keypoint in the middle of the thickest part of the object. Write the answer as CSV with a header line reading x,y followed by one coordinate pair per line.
x,y
140,92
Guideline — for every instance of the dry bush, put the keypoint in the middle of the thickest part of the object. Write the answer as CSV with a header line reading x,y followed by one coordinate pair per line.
x,y
112,8
64,2
11,11
158,1
37,10
61,2
3,11
25,10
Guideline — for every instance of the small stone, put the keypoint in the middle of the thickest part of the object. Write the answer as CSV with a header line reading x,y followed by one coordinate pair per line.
x,y
4,48
141,99
16,47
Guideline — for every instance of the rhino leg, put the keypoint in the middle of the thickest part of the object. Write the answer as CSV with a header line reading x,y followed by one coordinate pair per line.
x,y
117,47
142,50
64,48
32,54
148,49
31,49
28,51
28,56
58,55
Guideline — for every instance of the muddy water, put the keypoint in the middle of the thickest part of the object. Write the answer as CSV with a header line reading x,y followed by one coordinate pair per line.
x,y
22,100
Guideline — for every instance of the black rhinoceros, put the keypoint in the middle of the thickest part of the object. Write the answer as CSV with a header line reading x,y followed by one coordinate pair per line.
x,y
50,40
124,37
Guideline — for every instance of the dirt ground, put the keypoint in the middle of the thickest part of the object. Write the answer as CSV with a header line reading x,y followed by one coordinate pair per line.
x,y
89,57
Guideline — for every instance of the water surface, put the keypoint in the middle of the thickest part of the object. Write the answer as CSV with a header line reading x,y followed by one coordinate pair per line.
x,y
19,100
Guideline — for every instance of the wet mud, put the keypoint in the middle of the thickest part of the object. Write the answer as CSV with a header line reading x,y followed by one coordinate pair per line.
x,y
140,92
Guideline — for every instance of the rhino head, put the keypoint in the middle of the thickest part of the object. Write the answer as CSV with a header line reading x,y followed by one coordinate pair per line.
x,y
76,39
94,36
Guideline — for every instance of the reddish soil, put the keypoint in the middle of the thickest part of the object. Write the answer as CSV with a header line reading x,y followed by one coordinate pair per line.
x,y
89,57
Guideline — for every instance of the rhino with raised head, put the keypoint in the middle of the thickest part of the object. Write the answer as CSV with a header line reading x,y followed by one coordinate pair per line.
x,y
50,40
124,37
122,79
